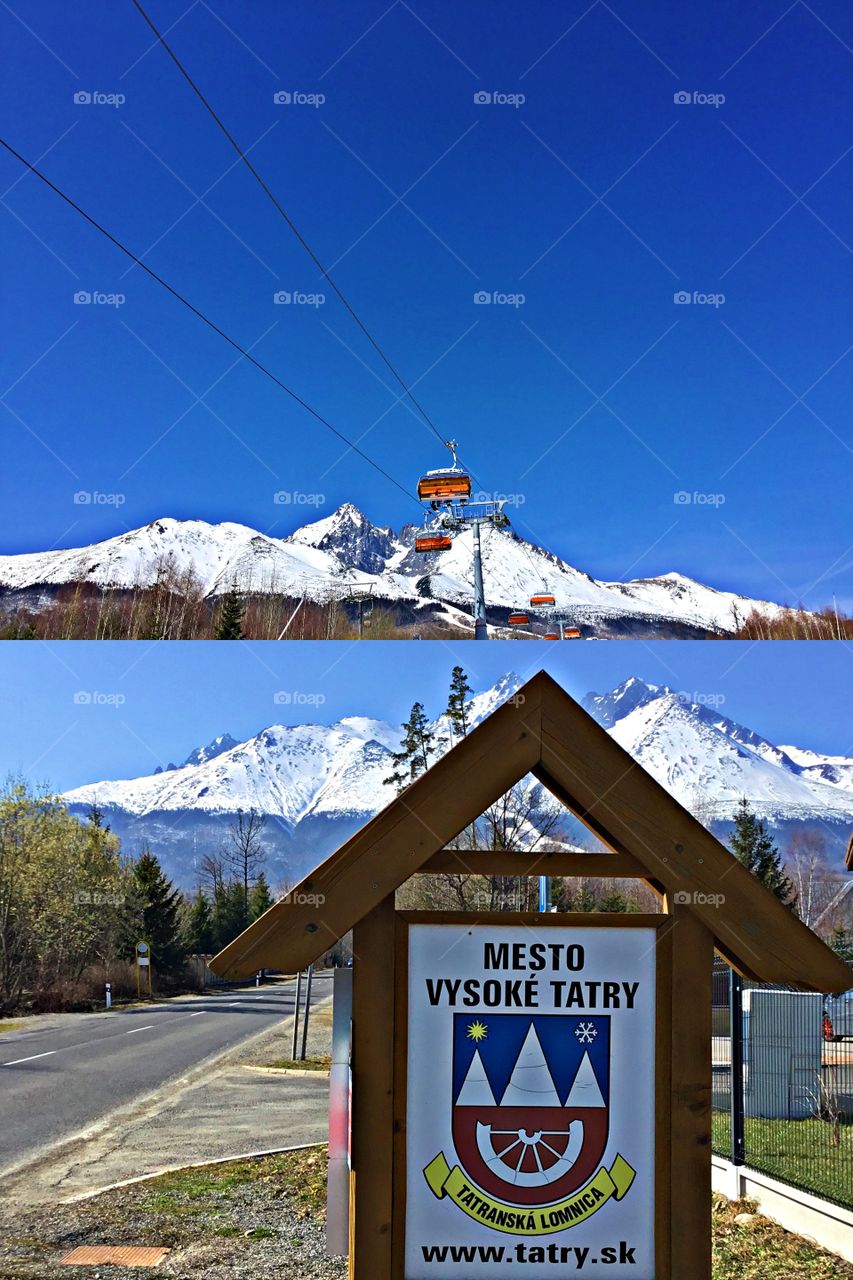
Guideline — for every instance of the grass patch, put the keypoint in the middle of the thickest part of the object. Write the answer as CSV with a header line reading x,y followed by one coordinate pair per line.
x,y
10,1026
797,1151
760,1250
300,1175
299,1064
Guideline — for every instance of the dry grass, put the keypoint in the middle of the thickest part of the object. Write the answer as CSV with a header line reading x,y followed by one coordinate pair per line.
x,y
758,1249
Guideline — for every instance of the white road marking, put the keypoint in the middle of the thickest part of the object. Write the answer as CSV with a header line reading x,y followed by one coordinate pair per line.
x,y
30,1058
150,1027
198,1015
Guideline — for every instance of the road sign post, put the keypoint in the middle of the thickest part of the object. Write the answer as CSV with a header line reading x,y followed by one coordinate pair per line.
x,y
143,965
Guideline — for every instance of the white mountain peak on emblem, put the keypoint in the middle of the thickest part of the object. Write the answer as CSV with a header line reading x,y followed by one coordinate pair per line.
x,y
530,1084
476,1090
585,1091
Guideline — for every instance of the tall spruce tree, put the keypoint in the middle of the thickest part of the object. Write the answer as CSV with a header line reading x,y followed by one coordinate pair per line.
x,y
458,709
842,943
229,912
416,749
260,898
160,905
229,624
752,845
200,933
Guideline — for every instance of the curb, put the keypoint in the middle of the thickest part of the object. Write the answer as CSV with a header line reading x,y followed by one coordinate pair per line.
x,y
287,1071
198,1164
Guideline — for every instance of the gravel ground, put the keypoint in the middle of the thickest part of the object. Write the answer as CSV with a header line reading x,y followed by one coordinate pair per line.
x,y
256,1221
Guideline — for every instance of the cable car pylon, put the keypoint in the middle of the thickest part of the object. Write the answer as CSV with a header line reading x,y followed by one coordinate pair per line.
x,y
447,491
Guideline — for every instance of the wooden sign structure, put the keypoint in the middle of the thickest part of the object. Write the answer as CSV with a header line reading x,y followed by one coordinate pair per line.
x,y
534,1088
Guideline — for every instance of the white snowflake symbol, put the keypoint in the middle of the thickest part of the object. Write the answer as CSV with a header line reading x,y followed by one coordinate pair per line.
x,y
586,1032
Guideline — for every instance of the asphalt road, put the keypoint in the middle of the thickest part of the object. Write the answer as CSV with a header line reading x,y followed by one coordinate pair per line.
x,y
59,1080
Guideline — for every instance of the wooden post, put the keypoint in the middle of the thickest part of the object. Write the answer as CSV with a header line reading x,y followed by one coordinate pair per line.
x,y
372,1178
692,948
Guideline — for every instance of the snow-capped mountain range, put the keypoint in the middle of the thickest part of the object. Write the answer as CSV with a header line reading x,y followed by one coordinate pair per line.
x,y
344,549
317,783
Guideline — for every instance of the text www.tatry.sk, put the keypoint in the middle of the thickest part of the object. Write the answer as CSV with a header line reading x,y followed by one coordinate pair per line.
x,y
576,1256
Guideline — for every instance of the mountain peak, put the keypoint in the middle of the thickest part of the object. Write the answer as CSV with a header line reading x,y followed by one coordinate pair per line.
x,y
350,537
215,748
609,708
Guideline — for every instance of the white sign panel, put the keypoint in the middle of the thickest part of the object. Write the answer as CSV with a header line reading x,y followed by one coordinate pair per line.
x,y
531,1107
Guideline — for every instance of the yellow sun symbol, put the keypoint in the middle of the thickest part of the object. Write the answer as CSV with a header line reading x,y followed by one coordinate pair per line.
x,y
477,1031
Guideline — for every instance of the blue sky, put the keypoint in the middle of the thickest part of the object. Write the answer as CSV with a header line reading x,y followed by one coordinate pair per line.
x,y
598,198
180,696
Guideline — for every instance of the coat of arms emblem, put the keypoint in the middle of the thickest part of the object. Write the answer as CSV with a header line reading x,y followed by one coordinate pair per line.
x,y
530,1121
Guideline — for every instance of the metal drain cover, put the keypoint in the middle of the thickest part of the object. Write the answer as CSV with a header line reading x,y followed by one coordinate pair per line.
x,y
92,1255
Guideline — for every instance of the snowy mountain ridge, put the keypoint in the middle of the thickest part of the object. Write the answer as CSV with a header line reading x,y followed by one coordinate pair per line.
x,y
344,549
317,783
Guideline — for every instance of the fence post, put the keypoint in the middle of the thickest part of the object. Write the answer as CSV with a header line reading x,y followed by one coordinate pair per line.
x,y
738,1152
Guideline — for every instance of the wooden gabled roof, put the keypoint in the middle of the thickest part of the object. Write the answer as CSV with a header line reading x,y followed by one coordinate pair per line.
x,y
545,732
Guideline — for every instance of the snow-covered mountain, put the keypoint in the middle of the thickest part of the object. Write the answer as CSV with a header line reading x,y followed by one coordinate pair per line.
x,y
345,548
708,761
318,783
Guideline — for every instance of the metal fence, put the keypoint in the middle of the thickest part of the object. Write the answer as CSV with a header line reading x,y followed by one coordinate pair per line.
x,y
783,1083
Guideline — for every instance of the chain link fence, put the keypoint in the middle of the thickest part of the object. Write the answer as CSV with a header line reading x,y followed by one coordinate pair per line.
x,y
783,1083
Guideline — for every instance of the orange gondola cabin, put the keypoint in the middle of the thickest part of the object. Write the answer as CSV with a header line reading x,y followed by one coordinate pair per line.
x,y
518,620
432,542
443,486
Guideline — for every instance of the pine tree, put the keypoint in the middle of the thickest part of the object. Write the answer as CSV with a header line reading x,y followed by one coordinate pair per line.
x,y
416,748
160,922
200,932
229,913
842,943
457,708
260,898
752,845
230,623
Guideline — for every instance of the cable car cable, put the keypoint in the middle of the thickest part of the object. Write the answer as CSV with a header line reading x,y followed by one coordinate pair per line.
x,y
210,323
312,255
